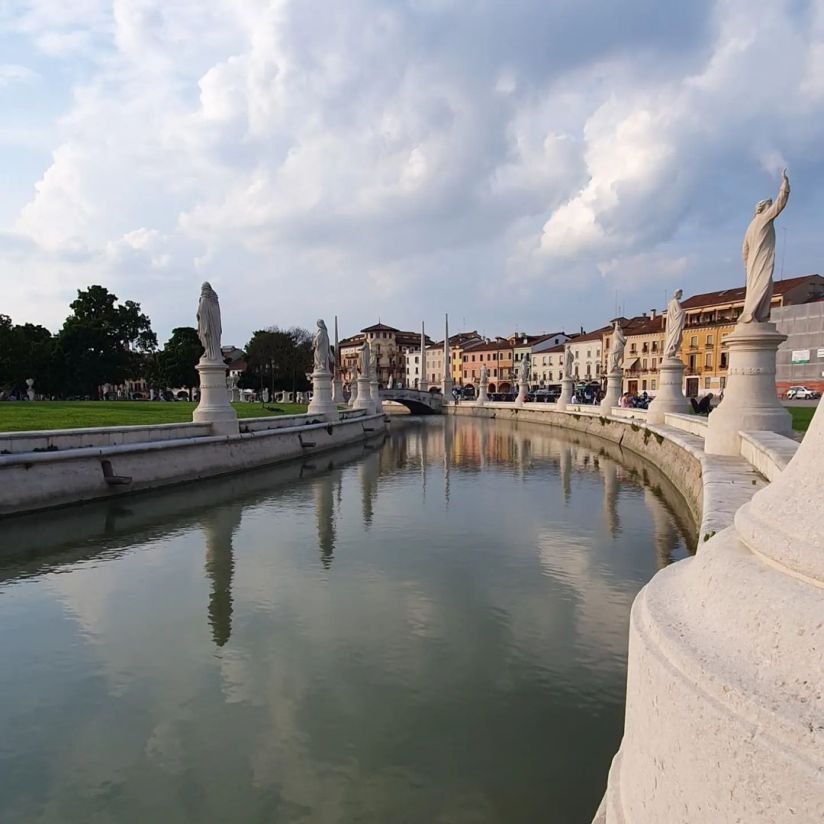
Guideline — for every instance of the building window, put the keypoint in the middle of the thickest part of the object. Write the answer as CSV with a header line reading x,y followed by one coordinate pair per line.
x,y
707,383
709,340
643,363
723,364
465,374
653,385
694,342
644,385
708,360
494,373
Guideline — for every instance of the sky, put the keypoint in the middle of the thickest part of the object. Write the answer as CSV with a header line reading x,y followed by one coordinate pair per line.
x,y
527,165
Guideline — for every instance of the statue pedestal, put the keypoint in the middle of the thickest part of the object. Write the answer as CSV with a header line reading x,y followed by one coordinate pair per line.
x,y
375,394
724,701
566,394
337,391
322,403
482,396
523,388
214,406
446,389
614,383
363,397
750,401
669,397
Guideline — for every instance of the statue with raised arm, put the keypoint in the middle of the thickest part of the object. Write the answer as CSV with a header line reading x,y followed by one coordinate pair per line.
x,y
364,367
569,362
208,323
322,350
759,255
616,356
676,318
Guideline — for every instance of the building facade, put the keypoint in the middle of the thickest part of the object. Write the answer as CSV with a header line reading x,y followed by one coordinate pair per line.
x,y
800,359
643,353
389,347
498,356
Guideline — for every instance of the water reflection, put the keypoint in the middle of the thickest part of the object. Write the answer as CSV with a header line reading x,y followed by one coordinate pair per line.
x,y
431,630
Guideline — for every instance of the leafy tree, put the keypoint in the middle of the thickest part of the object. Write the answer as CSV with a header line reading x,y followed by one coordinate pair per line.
x,y
179,358
103,342
278,359
28,351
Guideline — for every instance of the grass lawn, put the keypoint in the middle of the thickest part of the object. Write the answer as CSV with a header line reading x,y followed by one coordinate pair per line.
x,y
18,416
802,415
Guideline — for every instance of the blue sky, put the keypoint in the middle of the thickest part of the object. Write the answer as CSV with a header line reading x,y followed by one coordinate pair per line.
x,y
521,165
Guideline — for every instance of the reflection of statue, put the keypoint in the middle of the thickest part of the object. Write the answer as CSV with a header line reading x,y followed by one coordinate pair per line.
x,y
364,361
759,256
208,323
569,362
676,318
325,517
616,356
219,528
323,353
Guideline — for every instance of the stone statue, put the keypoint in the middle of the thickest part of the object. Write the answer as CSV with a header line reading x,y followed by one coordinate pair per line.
x,y
30,390
569,362
323,352
364,361
759,256
676,318
524,371
208,323
616,356
484,375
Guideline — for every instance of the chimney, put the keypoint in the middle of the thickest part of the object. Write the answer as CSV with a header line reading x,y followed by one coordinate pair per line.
x,y
652,313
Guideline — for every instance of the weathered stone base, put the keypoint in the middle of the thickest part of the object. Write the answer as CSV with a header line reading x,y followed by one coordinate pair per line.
x,y
214,407
566,394
322,403
669,397
750,402
613,395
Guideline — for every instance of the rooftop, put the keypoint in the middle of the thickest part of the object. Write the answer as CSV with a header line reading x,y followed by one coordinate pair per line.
x,y
724,297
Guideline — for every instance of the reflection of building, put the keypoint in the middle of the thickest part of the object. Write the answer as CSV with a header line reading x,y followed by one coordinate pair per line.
x,y
219,527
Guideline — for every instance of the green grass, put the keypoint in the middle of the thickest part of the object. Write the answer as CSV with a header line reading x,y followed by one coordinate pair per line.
x,y
20,416
802,415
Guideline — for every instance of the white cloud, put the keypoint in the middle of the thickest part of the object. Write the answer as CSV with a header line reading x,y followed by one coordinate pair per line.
x,y
334,154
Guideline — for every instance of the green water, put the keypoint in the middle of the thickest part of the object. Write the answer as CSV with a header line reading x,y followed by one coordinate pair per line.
x,y
429,630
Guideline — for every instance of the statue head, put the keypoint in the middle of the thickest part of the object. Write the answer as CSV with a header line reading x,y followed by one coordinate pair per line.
x,y
762,204
321,324
678,293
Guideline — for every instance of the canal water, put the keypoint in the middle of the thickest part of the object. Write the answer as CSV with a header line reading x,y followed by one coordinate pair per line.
x,y
431,629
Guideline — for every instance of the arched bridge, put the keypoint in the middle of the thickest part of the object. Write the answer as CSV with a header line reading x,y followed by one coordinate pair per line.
x,y
417,402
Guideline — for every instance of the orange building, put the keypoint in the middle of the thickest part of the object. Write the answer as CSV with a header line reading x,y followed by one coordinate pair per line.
x,y
498,357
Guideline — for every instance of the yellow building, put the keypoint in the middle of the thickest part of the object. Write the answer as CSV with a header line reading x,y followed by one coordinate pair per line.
x,y
643,353
713,315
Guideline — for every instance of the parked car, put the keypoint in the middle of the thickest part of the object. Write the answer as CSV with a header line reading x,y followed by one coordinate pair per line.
x,y
801,393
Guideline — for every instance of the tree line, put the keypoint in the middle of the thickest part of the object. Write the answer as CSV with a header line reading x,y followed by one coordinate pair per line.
x,y
104,341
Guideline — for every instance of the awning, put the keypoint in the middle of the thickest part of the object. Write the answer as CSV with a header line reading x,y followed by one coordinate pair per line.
x,y
632,364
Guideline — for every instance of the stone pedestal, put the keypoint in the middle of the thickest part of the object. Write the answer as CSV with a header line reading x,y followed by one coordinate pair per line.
x,y
566,394
337,391
669,396
375,394
446,389
750,401
363,396
322,403
482,395
214,406
523,388
614,380
725,711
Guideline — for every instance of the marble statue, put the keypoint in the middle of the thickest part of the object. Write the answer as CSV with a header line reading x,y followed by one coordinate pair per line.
x,y
569,362
265,394
676,318
616,356
484,375
364,361
524,370
759,256
208,323
323,352
30,390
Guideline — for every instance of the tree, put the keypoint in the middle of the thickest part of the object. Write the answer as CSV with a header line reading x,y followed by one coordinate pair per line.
x,y
179,357
102,342
27,351
278,359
